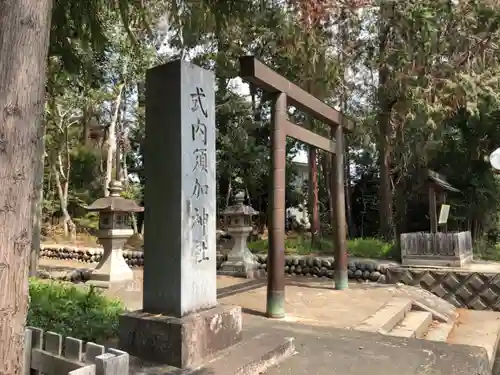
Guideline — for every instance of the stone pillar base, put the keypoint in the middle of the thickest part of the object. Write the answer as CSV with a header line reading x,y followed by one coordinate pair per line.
x,y
240,269
181,342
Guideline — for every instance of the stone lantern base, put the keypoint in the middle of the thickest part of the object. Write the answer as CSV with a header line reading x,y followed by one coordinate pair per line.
x,y
240,269
112,268
240,261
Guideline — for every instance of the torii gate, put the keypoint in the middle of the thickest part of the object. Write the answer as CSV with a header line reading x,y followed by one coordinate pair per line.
x,y
286,93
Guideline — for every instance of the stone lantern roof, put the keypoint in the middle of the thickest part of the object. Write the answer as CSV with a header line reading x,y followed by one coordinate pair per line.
x,y
114,202
239,208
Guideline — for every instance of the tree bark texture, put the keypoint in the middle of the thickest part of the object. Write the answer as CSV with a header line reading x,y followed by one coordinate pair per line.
x,y
37,210
24,39
351,228
385,189
313,195
111,140
385,103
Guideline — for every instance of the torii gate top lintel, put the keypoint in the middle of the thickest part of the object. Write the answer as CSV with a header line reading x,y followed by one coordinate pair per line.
x,y
256,72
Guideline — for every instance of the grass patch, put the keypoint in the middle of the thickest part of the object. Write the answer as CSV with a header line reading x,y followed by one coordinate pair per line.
x,y
359,247
371,248
83,313
485,250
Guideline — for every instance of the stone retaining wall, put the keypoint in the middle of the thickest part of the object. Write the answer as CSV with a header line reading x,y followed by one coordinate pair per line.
x,y
87,254
320,266
471,290
312,266
466,289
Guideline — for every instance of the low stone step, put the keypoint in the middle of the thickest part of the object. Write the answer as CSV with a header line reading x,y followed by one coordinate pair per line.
x,y
477,328
439,331
387,316
252,356
414,325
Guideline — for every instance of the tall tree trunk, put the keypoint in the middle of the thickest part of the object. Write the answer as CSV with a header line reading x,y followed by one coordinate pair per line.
x,y
351,228
344,37
385,104
134,223
37,210
86,117
327,170
313,195
385,189
229,190
62,193
111,140
121,155
24,38
331,183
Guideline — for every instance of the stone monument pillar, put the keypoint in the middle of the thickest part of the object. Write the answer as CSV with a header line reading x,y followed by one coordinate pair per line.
x,y
181,323
114,231
238,218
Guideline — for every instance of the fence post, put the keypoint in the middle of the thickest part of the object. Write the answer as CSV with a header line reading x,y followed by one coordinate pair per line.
x,y
114,363
36,342
43,353
27,352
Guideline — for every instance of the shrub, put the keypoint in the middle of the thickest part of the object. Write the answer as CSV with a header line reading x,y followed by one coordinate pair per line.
x,y
74,311
485,250
370,248
359,247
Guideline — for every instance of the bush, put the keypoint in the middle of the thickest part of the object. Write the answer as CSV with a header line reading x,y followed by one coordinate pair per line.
x,y
83,313
359,247
486,250
370,248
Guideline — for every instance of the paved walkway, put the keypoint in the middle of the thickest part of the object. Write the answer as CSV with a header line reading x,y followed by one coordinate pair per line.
x,y
333,351
308,300
315,314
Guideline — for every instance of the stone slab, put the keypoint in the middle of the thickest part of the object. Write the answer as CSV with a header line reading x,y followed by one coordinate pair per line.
x,y
414,325
478,328
252,356
384,320
436,261
243,273
180,247
181,342
424,299
439,331
327,351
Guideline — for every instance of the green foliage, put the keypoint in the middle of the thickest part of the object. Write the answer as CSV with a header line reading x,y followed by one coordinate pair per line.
x,y
487,249
73,311
429,67
370,248
88,222
359,247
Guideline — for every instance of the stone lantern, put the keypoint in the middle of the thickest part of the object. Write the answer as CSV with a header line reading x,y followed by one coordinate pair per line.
x,y
114,231
238,220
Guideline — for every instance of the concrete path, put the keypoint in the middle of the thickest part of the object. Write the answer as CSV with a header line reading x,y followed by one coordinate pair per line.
x,y
316,312
308,300
331,351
